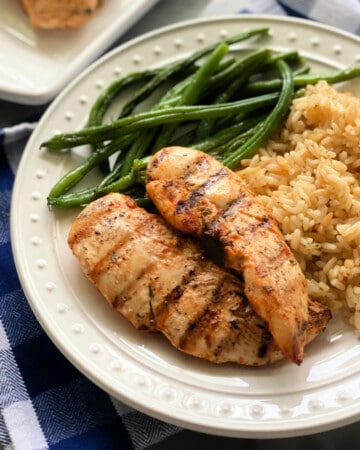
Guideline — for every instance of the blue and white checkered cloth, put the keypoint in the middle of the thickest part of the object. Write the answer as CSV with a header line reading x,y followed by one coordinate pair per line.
x,y
45,403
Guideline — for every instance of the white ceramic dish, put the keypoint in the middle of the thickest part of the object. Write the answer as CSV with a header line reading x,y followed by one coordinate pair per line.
x,y
36,64
143,370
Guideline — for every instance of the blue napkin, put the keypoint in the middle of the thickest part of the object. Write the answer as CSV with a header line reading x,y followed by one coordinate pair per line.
x,y
45,403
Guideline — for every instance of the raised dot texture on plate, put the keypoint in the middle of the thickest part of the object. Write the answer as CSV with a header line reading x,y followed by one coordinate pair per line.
x,y
96,348
117,365
137,59
39,174
315,404
35,240
41,263
337,49
257,410
225,409
69,115
141,381
62,307
342,396
157,50
315,41
34,218
196,403
77,328
50,286
117,71
285,411
167,393
292,37
83,99
178,43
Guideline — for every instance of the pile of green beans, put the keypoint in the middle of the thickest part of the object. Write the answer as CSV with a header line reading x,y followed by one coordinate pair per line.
x,y
225,105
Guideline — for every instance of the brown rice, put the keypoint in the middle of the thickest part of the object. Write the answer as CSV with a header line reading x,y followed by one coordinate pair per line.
x,y
309,176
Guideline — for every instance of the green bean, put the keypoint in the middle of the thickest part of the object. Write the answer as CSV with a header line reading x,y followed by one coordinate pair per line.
x,y
71,178
200,79
301,80
226,135
149,119
227,149
144,202
78,199
222,79
241,73
271,123
180,94
72,200
303,69
138,149
173,95
177,67
189,95
246,66
334,77
290,55
193,91
113,175
107,96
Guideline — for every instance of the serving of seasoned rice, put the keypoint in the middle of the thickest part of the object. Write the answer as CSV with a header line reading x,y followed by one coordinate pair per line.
x,y
309,177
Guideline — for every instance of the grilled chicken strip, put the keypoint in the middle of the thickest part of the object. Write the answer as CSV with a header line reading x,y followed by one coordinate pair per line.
x,y
160,280
196,194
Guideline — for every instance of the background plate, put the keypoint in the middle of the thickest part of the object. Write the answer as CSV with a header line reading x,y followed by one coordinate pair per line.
x,y
141,369
36,64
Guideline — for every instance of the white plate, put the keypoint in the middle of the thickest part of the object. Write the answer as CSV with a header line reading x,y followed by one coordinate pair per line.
x,y
142,369
36,64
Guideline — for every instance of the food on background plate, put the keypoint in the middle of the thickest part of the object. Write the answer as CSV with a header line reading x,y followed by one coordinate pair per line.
x,y
228,105
160,280
59,14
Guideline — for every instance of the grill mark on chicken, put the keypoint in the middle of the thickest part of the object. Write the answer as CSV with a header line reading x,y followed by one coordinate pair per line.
x,y
197,194
206,318
206,321
200,308
116,256
178,182
178,291
201,191
214,298
119,254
